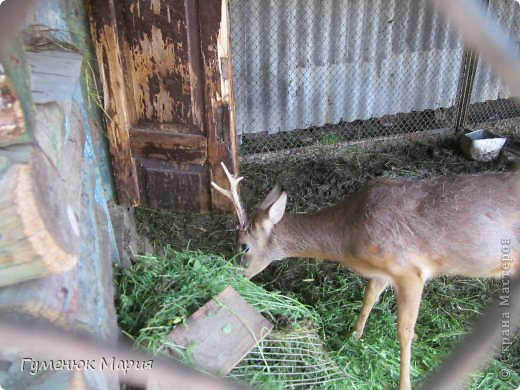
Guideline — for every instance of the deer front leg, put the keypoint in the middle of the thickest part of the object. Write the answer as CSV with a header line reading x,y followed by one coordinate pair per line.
x,y
373,290
409,291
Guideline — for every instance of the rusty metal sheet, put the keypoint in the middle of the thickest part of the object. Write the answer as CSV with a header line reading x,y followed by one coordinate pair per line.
x,y
306,63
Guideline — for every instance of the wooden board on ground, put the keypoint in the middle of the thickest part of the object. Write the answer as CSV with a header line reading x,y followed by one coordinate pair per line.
x,y
221,333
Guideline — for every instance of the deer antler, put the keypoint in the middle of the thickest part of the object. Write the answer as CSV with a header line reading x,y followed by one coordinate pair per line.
x,y
233,196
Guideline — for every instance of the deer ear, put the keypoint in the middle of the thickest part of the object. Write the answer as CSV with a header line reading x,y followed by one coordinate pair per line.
x,y
277,210
271,197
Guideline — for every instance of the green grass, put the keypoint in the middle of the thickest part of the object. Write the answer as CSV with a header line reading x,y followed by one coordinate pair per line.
x,y
330,139
327,294
448,310
160,292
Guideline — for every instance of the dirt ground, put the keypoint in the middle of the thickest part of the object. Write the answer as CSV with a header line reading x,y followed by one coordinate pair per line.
x,y
312,184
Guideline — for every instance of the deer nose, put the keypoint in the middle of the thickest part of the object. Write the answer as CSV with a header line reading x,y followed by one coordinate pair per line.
x,y
240,259
241,262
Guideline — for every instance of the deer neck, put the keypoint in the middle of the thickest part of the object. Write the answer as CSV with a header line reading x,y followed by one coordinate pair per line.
x,y
315,235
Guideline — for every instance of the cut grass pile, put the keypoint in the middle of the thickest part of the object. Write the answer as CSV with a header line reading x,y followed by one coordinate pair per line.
x,y
155,295
159,292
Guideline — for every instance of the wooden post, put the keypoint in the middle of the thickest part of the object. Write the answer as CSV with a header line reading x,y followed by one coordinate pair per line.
x,y
121,114
39,231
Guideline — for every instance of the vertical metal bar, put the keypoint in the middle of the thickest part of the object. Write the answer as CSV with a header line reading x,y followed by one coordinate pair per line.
x,y
465,88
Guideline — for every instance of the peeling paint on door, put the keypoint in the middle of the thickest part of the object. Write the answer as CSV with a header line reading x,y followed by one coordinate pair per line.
x,y
172,84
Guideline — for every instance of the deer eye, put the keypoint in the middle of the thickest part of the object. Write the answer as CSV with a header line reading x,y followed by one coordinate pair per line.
x,y
245,248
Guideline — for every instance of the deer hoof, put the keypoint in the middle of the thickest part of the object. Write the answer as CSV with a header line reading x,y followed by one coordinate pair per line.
x,y
357,334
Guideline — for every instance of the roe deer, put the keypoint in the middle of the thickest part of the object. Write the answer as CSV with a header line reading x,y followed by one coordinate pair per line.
x,y
394,231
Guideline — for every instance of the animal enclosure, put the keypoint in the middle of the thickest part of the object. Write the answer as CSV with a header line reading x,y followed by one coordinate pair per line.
x,y
325,73
312,77
331,293
148,121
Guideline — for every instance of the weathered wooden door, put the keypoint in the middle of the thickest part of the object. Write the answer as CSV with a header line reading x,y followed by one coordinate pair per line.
x,y
165,66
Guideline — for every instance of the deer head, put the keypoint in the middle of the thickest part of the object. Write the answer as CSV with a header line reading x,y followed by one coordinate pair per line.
x,y
256,241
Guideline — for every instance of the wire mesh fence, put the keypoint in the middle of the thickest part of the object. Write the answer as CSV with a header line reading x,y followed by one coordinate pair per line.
x,y
489,104
327,72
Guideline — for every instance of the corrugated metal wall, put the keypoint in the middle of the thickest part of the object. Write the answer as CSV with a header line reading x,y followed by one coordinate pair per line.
x,y
304,63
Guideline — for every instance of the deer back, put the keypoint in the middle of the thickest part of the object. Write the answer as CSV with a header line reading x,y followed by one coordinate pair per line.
x,y
460,225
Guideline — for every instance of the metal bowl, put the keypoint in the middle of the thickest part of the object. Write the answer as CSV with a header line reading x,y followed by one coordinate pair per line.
x,y
482,145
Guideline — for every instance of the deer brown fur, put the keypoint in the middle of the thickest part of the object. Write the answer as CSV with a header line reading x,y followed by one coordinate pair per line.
x,y
398,232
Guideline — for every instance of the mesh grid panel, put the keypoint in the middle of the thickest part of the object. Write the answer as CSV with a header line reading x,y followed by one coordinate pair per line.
x,y
324,72
296,358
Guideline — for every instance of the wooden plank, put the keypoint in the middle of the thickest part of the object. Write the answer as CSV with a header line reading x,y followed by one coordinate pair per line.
x,y
166,72
163,54
121,114
161,145
169,141
221,333
54,74
219,102
165,184
168,127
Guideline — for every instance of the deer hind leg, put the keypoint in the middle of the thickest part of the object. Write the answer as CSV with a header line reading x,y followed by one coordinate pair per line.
x,y
373,290
409,291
